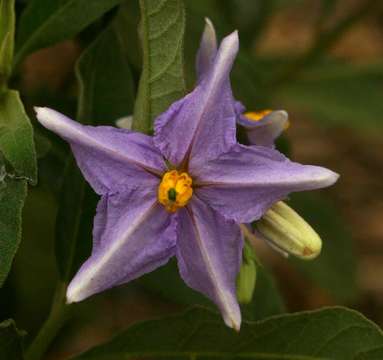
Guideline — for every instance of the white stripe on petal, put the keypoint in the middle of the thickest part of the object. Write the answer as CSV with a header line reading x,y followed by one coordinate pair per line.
x,y
79,134
231,314
77,289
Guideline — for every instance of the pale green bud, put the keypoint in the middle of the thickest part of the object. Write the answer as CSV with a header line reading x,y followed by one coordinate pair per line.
x,y
283,228
247,276
124,122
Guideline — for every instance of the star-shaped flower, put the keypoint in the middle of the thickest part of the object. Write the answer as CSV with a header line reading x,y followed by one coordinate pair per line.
x,y
281,227
182,192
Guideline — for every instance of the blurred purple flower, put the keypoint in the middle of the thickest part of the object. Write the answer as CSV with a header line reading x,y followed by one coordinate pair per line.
x,y
182,192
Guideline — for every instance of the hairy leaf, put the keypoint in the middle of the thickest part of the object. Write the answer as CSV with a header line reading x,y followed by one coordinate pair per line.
x,y
106,93
10,341
16,136
17,166
162,80
12,196
46,22
333,333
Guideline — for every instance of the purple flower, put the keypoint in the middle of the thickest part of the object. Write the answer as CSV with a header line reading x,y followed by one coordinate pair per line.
x,y
182,192
261,127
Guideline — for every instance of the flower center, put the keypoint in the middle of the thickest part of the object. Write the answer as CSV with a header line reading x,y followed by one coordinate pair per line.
x,y
175,190
257,115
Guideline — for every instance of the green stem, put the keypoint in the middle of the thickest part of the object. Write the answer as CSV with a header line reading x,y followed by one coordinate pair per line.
x,y
55,321
324,41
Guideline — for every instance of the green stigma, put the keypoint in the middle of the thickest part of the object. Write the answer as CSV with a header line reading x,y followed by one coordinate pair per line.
x,y
172,194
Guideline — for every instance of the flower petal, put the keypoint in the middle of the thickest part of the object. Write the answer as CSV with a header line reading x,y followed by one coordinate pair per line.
x,y
209,251
133,235
201,125
108,157
243,183
207,49
265,131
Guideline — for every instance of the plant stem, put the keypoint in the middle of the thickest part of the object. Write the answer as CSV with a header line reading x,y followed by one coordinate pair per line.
x,y
55,321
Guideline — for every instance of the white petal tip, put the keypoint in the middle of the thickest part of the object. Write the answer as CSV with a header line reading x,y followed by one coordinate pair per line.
x,y
330,179
37,108
40,111
233,320
321,178
74,294
209,25
45,115
70,298
209,36
235,324
231,40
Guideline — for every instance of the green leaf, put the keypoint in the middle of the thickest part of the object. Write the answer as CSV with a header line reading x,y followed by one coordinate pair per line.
x,y
17,166
105,79
46,22
333,333
10,341
12,196
106,93
335,268
338,94
162,80
16,137
7,34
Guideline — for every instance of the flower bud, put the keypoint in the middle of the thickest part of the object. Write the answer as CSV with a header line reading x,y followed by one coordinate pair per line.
x,y
284,229
246,278
125,122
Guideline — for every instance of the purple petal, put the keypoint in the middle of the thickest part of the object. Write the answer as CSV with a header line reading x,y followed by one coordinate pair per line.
x,y
239,108
108,157
202,124
243,183
265,131
209,251
207,49
133,235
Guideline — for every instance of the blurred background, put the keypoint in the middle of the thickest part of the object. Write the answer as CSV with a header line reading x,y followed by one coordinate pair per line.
x,y
321,60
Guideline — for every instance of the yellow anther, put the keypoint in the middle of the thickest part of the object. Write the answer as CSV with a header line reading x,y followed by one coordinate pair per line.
x,y
175,190
257,115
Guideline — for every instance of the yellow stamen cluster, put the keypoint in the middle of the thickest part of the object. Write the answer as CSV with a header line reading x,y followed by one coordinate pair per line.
x,y
257,115
175,190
